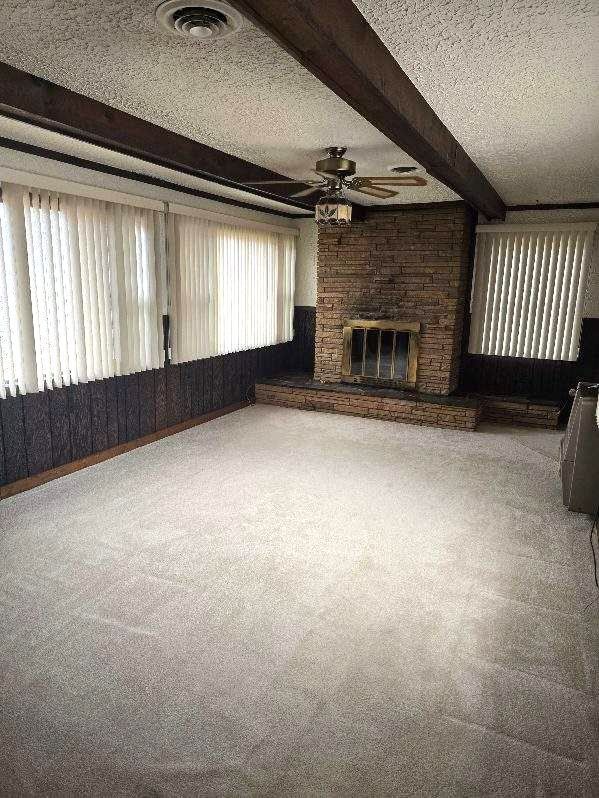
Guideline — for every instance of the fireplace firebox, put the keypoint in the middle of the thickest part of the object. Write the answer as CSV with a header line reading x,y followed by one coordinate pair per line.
x,y
380,352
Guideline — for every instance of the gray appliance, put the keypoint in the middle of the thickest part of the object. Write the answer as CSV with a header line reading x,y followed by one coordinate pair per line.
x,y
579,461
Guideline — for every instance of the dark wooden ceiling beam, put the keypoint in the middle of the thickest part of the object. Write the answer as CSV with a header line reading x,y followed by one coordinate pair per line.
x,y
32,99
332,40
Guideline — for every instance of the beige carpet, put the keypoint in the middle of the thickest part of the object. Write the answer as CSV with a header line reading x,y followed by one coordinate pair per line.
x,y
282,603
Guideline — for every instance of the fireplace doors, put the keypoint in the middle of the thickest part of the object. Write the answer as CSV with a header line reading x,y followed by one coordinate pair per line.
x,y
380,352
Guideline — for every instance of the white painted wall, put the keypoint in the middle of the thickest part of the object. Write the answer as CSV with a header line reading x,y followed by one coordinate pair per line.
x,y
591,307
305,269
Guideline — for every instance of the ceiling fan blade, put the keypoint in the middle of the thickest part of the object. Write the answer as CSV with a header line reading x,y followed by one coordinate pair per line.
x,y
276,182
306,192
374,191
406,180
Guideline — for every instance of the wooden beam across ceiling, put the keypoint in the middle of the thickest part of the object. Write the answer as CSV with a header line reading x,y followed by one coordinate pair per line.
x,y
40,102
333,41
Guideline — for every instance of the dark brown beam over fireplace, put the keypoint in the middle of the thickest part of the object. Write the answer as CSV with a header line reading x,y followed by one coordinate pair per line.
x,y
40,102
332,40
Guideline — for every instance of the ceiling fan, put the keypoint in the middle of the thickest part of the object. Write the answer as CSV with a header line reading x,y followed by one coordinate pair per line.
x,y
336,173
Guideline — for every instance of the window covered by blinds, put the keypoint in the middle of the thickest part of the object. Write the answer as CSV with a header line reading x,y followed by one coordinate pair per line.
x,y
83,284
231,287
528,290
86,279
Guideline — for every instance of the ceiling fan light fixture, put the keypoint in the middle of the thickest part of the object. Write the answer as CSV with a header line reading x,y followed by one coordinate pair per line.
x,y
333,210
337,173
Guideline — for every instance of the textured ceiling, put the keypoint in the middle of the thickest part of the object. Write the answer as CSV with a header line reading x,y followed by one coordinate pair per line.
x,y
243,95
514,80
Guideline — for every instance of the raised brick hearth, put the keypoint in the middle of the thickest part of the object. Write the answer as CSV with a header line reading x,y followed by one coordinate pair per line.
x,y
521,411
456,412
388,404
408,265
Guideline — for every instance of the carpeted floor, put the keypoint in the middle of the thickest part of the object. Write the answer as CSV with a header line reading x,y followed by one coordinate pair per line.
x,y
282,603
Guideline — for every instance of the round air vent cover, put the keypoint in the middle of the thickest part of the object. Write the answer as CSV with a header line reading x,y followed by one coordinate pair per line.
x,y
202,21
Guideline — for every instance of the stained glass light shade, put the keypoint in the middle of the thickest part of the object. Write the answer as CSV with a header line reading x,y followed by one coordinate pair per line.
x,y
333,210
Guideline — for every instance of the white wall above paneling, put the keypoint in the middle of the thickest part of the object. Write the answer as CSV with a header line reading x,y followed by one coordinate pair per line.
x,y
62,144
305,271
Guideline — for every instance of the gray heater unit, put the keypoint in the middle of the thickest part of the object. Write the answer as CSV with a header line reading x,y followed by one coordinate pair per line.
x,y
579,462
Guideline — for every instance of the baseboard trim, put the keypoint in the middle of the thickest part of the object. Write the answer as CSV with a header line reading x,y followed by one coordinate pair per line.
x,y
21,485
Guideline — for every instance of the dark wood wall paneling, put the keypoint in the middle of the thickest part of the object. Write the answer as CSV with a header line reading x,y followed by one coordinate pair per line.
x,y
49,429
537,379
13,433
40,431
304,333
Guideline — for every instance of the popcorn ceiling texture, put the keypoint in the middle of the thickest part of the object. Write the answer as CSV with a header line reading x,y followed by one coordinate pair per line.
x,y
243,95
514,80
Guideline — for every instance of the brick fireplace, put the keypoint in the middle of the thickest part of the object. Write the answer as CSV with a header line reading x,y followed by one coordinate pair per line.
x,y
403,265
394,282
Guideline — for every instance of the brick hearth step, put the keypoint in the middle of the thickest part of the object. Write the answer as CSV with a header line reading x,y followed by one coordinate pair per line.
x,y
521,411
302,392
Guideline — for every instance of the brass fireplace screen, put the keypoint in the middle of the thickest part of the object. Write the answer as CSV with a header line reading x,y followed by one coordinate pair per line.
x,y
380,352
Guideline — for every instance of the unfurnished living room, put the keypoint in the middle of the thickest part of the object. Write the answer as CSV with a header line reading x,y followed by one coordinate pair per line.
x,y
299,372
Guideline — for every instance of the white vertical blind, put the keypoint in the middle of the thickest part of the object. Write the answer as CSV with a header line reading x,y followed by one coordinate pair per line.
x,y
17,350
93,275
286,287
528,290
87,277
192,274
84,285
232,287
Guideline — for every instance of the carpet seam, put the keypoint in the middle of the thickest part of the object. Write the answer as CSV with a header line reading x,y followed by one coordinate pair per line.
x,y
472,724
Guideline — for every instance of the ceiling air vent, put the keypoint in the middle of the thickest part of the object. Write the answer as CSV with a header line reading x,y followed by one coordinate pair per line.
x,y
210,19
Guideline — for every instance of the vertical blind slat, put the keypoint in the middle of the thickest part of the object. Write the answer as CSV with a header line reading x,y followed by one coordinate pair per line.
x,y
540,294
477,296
560,306
527,294
579,298
486,282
